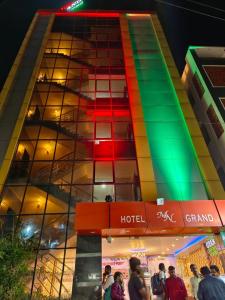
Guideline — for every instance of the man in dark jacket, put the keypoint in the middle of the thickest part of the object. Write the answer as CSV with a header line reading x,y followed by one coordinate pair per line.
x,y
210,288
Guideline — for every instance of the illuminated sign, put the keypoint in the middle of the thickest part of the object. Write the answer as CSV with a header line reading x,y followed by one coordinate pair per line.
x,y
211,247
210,243
74,5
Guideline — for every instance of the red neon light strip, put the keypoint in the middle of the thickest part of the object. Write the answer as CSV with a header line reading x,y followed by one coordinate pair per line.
x,y
103,14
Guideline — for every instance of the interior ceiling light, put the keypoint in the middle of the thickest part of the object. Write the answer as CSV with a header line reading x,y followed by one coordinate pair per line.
x,y
137,250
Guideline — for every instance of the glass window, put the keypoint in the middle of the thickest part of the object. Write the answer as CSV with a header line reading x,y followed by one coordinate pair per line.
x,y
34,200
64,150
58,199
101,191
125,192
61,172
55,98
12,198
71,232
40,172
103,130
31,226
85,130
122,130
47,133
80,193
45,150
124,149
103,171
102,85
29,132
54,231
125,171
83,172
84,150
103,149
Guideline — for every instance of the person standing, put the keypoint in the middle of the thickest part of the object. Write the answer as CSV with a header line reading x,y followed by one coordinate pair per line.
x,y
175,287
158,283
215,271
136,285
210,288
117,289
107,282
195,280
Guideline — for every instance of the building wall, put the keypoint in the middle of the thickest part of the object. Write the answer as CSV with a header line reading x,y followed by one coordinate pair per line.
x,y
207,112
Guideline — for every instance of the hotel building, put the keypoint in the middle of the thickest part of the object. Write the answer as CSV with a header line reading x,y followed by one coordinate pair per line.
x,y
95,126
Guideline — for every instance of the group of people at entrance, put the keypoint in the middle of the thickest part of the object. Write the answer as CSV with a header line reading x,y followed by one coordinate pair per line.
x,y
205,285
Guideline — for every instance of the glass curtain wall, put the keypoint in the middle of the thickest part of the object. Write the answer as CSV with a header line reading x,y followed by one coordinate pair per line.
x,y
76,146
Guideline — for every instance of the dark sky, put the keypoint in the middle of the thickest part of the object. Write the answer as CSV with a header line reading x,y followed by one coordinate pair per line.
x,y
182,28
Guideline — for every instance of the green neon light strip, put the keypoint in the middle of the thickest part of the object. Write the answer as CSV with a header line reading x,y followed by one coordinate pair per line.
x,y
75,5
174,161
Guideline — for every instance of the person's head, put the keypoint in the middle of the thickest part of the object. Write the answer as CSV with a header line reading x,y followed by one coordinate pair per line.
x,y
205,271
118,276
171,271
215,271
194,269
135,264
162,267
108,269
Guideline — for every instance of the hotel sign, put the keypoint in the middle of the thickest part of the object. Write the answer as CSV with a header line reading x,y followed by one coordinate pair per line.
x,y
147,216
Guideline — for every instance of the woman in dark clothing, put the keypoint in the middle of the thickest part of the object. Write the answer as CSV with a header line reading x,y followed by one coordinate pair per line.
x,y
117,289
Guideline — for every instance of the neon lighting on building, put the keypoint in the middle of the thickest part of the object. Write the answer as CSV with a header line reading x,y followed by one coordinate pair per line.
x,y
174,159
193,242
74,5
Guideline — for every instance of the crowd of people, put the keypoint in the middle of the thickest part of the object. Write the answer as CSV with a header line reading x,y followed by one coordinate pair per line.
x,y
205,285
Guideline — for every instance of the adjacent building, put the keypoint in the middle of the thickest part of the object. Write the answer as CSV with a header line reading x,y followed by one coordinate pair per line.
x,y
204,78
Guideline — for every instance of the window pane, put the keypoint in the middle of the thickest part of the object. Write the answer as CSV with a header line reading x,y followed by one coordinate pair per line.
x,y
85,130
122,131
126,171
54,231
127,192
101,191
34,200
83,172
103,171
11,199
103,130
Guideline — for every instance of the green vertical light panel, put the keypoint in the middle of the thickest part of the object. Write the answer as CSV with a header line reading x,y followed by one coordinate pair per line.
x,y
176,169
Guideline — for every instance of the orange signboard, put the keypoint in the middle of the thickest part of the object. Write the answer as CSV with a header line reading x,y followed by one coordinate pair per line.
x,y
127,218
200,213
92,216
220,204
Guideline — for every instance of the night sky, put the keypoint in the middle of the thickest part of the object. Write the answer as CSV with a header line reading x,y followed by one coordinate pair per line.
x,y
182,28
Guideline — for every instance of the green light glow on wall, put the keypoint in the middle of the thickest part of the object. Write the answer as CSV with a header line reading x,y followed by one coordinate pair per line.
x,y
174,161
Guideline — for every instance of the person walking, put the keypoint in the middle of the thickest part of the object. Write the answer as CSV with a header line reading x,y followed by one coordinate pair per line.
x,y
194,281
117,289
136,285
107,282
158,283
210,288
175,287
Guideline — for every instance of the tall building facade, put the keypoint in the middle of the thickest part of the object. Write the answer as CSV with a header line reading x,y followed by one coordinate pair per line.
x,y
94,113
204,79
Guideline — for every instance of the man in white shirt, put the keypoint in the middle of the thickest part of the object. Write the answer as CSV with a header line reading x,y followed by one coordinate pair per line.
x,y
107,281
194,281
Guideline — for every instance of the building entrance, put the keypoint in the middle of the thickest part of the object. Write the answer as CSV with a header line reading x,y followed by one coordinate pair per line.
x,y
178,251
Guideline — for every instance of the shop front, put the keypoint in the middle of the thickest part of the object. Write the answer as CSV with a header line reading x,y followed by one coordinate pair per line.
x,y
176,233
